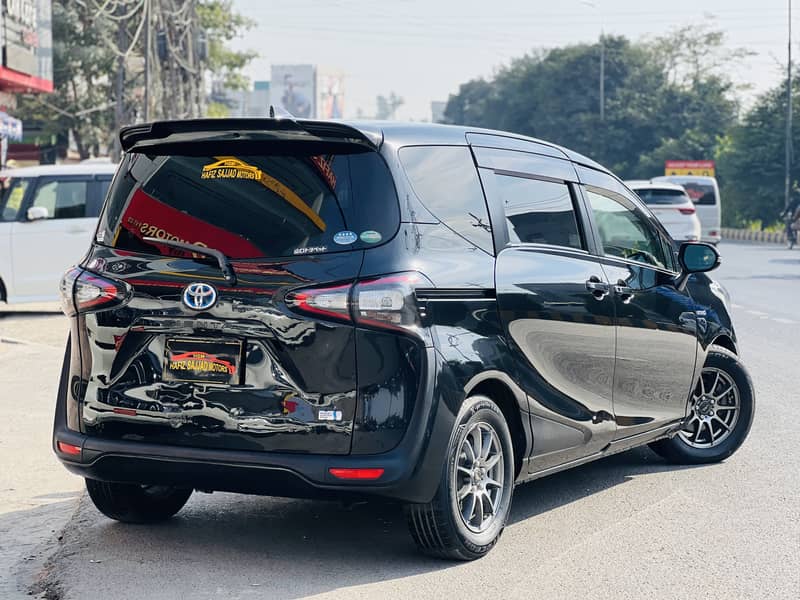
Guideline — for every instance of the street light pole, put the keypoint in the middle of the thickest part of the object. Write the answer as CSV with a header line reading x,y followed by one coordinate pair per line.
x,y
788,172
147,60
594,5
603,75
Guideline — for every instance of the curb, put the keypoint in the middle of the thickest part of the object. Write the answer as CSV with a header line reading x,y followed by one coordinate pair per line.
x,y
748,235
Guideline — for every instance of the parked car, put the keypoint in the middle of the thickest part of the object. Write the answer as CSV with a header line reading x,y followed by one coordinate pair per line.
x,y
426,313
47,217
672,206
704,192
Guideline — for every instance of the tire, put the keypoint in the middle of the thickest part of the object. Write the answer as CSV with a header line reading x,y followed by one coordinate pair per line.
x,y
438,527
683,447
132,503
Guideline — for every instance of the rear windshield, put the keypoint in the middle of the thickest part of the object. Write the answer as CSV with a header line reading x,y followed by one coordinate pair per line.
x,y
701,193
264,206
656,196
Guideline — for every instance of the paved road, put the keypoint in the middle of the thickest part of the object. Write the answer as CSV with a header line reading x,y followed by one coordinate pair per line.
x,y
625,527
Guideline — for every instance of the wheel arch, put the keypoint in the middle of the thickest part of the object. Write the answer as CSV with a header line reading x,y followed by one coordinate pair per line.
x,y
498,387
725,341
3,293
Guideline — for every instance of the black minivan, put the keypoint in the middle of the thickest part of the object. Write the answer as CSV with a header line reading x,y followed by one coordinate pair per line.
x,y
425,313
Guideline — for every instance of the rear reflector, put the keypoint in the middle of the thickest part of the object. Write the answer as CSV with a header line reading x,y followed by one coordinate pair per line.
x,y
356,473
68,448
687,211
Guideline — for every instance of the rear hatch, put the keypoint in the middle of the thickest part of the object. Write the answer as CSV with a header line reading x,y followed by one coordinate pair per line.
x,y
670,206
175,351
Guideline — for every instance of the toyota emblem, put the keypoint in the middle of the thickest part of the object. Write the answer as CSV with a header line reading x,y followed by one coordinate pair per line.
x,y
199,296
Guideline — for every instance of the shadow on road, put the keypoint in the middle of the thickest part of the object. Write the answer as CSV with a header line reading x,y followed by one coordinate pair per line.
x,y
294,548
31,314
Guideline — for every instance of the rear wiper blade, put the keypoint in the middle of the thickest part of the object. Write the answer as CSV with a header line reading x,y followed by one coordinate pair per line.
x,y
223,261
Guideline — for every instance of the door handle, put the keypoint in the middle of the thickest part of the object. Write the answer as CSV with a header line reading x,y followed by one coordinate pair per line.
x,y
623,291
599,289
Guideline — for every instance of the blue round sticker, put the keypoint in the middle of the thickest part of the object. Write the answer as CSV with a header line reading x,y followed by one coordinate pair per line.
x,y
344,238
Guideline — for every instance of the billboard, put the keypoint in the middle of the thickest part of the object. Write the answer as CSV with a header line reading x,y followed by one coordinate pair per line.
x,y
293,88
330,94
27,46
689,167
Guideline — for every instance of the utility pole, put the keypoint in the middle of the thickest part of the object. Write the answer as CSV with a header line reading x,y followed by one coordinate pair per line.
x,y
603,75
119,84
788,173
146,114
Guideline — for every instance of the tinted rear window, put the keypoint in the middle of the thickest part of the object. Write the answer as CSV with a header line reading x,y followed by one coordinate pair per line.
x,y
701,193
656,196
264,206
445,179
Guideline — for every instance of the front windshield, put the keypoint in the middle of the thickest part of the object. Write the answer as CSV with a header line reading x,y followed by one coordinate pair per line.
x,y
11,200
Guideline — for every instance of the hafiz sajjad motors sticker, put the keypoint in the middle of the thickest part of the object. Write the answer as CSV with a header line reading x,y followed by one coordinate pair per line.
x,y
202,361
229,167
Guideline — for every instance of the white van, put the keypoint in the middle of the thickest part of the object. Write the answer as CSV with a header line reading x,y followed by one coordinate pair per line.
x,y
704,192
48,215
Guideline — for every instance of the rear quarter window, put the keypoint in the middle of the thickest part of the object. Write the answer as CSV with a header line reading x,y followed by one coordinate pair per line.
x,y
265,206
446,181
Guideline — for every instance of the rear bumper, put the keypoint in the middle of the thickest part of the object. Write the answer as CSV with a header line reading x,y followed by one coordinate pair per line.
x,y
411,470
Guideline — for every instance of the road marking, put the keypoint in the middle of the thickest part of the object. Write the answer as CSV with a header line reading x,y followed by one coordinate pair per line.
x,y
785,321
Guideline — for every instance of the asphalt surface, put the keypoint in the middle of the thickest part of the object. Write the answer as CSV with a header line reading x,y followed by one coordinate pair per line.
x,y
629,526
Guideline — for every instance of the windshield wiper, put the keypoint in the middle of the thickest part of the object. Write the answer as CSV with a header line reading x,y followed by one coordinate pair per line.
x,y
223,261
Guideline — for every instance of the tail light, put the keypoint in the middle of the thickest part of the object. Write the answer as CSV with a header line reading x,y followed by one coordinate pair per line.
x,y
82,291
329,302
384,302
687,211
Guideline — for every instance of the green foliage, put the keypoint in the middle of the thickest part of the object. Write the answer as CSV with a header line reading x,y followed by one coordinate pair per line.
x,y
662,101
750,161
82,64
221,25
387,106
89,37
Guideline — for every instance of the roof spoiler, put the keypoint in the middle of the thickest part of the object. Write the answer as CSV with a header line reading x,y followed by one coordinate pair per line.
x,y
172,133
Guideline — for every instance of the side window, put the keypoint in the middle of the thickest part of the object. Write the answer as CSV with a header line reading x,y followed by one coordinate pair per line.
x,y
104,184
63,199
624,232
446,181
538,212
11,202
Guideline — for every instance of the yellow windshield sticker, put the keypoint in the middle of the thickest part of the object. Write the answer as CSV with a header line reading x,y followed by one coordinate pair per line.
x,y
229,167
15,197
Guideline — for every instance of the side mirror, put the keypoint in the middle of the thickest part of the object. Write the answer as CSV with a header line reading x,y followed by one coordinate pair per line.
x,y
36,213
696,257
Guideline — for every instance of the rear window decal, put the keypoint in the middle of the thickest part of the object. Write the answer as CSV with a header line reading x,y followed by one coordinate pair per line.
x,y
330,415
370,236
229,167
345,238
310,250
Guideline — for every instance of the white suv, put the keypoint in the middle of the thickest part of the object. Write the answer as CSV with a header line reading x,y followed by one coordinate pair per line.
x,y
48,215
673,207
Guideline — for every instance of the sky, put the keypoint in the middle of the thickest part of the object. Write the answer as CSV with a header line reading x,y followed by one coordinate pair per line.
x,y
424,49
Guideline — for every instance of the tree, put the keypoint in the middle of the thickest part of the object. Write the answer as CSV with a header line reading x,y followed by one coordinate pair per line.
x,y
221,25
387,106
98,64
82,68
657,100
750,161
